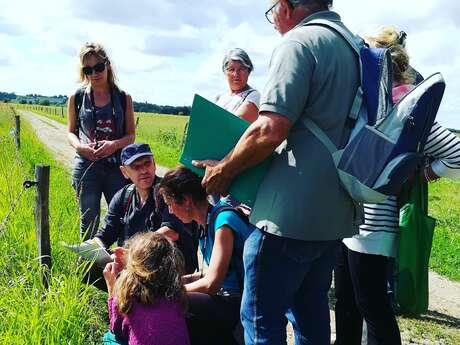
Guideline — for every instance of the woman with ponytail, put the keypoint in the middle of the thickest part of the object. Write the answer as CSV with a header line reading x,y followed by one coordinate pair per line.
x,y
147,300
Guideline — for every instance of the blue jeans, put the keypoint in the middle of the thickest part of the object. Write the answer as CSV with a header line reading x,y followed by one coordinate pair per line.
x,y
286,279
90,182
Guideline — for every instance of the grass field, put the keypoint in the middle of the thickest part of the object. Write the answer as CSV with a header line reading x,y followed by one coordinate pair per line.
x,y
68,312
164,133
72,313
444,205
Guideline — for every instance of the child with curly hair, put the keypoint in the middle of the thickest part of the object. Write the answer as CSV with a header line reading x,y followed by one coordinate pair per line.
x,y
146,300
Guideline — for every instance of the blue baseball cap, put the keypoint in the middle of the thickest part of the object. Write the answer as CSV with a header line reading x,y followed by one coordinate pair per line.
x,y
134,151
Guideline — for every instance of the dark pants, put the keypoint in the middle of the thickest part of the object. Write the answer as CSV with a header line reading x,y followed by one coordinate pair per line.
x,y
90,181
361,291
212,319
94,275
286,278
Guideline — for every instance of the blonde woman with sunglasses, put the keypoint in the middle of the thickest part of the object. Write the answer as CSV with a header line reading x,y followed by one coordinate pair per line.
x,y
100,124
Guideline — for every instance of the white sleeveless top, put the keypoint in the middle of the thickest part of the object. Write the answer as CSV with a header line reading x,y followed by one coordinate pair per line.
x,y
233,102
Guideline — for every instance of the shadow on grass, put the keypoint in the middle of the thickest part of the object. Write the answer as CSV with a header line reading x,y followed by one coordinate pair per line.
x,y
437,318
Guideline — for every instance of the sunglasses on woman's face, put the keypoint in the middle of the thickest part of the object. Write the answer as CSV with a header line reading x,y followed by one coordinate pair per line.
x,y
99,67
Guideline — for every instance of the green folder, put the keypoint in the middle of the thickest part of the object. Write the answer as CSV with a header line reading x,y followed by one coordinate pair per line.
x,y
212,133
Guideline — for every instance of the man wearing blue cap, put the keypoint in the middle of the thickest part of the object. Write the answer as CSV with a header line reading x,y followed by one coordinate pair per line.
x,y
134,208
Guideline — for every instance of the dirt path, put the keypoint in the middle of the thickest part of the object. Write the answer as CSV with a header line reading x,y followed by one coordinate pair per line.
x,y
54,135
444,294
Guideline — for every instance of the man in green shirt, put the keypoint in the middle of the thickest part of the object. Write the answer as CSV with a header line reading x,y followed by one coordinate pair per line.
x,y
300,209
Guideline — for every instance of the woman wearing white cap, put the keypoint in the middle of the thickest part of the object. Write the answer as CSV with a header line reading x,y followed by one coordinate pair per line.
x,y
241,99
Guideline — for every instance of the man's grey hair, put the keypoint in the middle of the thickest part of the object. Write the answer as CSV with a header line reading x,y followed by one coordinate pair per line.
x,y
322,3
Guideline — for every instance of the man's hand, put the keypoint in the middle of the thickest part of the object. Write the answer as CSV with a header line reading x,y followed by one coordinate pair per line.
x,y
216,179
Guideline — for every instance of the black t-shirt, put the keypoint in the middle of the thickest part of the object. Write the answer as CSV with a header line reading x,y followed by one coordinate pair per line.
x,y
126,217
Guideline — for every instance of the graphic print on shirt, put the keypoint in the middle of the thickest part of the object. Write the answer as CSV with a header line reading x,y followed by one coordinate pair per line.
x,y
105,129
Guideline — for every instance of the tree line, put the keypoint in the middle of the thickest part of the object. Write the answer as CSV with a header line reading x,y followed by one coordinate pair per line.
x,y
61,100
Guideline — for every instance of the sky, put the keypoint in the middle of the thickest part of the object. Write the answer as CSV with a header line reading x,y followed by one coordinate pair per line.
x,y
164,52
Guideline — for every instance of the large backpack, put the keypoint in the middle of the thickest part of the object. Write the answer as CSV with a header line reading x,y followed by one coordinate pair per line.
x,y
386,142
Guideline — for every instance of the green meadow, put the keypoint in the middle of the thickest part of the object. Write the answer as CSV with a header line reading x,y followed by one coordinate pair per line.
x,y
68,312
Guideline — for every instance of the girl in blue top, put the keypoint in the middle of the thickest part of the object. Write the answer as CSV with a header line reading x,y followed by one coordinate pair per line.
x,y
214,297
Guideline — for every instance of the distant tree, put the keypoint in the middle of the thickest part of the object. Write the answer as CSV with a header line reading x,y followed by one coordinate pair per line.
x,y
44,102
23,101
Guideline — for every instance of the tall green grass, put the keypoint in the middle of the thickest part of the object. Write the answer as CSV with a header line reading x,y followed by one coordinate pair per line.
x,y
444,205
68,312
164,133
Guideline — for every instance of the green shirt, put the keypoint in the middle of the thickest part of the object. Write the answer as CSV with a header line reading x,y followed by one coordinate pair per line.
x,y
313,73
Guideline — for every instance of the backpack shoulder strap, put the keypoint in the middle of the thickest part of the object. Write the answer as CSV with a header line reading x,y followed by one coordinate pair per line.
x,y
123,100
356,43
224,208
78,101
128,197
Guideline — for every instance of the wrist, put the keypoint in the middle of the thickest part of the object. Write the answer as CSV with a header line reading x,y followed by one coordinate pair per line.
x,y
116,144
79,147
110,291
226,169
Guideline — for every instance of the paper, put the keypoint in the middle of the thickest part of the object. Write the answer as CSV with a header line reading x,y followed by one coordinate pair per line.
x,y
90,250
212,133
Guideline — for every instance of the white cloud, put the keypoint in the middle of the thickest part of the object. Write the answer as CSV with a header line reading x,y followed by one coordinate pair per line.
x,y
166,51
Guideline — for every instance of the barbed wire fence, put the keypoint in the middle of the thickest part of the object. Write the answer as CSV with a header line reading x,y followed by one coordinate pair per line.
x,y
15,132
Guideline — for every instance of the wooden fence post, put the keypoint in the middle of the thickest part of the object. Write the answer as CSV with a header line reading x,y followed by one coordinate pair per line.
x,y
137,121
62,111
42,177
17,131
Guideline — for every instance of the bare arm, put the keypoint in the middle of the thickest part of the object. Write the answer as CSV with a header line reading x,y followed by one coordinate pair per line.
x,y
260,139
218,267
85,150
248,111
72,127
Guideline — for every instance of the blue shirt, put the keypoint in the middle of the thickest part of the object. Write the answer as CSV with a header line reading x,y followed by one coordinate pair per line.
x,y
241,231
